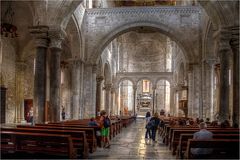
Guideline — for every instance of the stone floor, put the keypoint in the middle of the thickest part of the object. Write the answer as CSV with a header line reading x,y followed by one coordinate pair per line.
x,y
131,144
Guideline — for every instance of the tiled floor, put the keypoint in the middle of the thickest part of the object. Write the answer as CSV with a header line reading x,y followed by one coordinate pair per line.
x,y
131,144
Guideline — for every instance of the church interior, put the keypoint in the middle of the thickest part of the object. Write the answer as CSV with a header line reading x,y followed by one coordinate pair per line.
x,y
63,62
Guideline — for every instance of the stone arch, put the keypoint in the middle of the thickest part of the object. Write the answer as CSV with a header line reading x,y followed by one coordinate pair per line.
x,y
164,79
74,38
123,79
163,29
107,73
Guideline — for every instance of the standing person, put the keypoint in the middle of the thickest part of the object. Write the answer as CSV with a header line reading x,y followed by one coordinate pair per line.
x,y
148,126
31,115
154,121
203,134
63,113
105,124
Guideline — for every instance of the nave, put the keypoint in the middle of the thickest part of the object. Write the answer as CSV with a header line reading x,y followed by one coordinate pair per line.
x,y
131,144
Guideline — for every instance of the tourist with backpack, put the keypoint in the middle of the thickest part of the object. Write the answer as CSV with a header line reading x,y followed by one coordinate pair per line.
x,y
154,122
148,125
105,124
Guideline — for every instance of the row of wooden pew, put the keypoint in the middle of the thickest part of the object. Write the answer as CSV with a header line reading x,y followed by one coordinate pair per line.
x,y
179,139
70,139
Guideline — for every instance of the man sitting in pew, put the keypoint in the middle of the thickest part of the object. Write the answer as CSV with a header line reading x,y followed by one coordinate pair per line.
x,y
203,134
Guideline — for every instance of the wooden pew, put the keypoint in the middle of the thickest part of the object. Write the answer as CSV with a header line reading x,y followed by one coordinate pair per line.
x,y
78,137
222,148
182,145
177,133
36,143
89,131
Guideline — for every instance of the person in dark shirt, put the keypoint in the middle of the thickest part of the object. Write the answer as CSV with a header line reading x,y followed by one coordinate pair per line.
x,y
93,122
155,121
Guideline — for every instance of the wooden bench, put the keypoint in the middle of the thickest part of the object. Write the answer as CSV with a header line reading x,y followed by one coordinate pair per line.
x,y
222,148
177,133
78,137
182,145
89,131
34,145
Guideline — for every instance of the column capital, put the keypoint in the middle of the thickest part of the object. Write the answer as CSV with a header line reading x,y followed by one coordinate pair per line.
x,y
99,79
40,35
107,87
223,37
234,42
56,36
154,87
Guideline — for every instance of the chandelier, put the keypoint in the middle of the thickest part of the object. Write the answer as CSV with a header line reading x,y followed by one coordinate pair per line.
x,y
7,28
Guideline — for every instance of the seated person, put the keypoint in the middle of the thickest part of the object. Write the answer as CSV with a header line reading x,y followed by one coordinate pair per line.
x,y
203,134
93,122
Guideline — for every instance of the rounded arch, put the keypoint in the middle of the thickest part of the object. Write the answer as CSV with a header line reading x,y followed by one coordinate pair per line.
x,y
163,79
161,28
107,73
124,79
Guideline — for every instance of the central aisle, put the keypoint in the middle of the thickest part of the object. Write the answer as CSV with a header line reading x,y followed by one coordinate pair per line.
x,y
131,144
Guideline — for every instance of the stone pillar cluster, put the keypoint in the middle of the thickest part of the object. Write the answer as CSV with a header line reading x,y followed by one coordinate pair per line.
x,y
107,88
45,38
40,34
98,93
76,85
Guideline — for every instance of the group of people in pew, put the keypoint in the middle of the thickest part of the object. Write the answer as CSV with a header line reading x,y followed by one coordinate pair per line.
x,y
104,123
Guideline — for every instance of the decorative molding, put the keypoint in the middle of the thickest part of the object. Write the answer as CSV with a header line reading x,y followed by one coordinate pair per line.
x,y
144,10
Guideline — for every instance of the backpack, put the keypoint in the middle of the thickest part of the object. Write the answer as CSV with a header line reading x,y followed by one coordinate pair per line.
x,y
106,122
150,124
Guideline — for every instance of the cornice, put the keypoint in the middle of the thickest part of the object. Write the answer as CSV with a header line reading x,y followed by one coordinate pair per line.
x,y
142,10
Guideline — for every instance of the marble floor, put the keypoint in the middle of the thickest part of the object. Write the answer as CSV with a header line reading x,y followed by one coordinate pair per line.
x,y
131,144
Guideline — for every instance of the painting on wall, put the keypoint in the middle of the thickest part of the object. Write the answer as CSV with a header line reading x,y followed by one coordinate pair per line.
x,y
146,88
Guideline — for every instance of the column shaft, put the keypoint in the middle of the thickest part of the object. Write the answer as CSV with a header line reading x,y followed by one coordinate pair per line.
x,y
55,80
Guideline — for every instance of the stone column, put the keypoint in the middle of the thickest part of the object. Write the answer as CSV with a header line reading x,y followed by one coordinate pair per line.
x,y
154,92
89,91
223,52
75,108
56,38
134,99
94,89
107,88
98,93
171,100
190,92
117,101
235,49
39,95
112,99
20,67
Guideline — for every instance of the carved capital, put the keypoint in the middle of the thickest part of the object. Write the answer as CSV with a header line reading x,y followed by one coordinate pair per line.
x,y
56,36
99,79
223,37
107,87
40,35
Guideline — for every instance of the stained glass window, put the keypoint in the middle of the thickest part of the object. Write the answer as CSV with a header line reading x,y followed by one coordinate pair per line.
x,y
145,86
